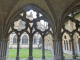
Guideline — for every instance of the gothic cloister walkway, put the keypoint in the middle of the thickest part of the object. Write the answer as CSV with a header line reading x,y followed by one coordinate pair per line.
x,y
55,17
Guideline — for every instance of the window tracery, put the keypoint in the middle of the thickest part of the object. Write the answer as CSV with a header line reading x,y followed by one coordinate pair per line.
x,y
31,21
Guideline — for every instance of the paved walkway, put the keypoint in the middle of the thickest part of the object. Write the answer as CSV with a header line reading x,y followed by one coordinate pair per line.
x,y
44,59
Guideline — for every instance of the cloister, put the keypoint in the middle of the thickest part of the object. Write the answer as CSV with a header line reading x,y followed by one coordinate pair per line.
x,y
59,18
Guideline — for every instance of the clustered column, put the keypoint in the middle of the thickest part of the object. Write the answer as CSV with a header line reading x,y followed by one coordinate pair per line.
x,y
58,50
3,49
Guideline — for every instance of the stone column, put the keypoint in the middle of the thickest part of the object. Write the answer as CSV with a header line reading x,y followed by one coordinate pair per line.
x,y
6,49
30,49
54,50
58,50
18,45
43,50
3,49
0,48
73,51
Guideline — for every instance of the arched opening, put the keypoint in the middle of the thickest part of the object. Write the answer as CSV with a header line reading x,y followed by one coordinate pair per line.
x,y
24,46
24,39
37,45
67,45
12,46
48,45
31,21
71,24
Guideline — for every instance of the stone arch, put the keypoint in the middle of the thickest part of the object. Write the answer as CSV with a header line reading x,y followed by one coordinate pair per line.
x,y
65,40
32,6
67,36
22,16
72,7
72,12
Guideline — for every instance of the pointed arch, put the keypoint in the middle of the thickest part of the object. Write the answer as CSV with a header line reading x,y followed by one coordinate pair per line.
x,y
28,7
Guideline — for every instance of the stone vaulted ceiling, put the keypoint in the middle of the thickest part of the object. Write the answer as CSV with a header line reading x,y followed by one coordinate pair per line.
x,y
55,8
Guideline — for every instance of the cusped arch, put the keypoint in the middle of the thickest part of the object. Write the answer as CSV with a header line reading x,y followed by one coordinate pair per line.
x,y
76,36
36,37
24,38
68,36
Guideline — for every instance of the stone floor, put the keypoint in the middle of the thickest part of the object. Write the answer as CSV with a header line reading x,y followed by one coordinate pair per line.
x,y
44,59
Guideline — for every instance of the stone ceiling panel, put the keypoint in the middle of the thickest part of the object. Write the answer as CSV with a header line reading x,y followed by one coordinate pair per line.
x,y
6,5
59,6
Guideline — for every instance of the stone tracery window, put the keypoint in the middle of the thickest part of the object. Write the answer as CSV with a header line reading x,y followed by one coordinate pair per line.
x,y
19,25
42,25
27,21
31,21
72,25
31,15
